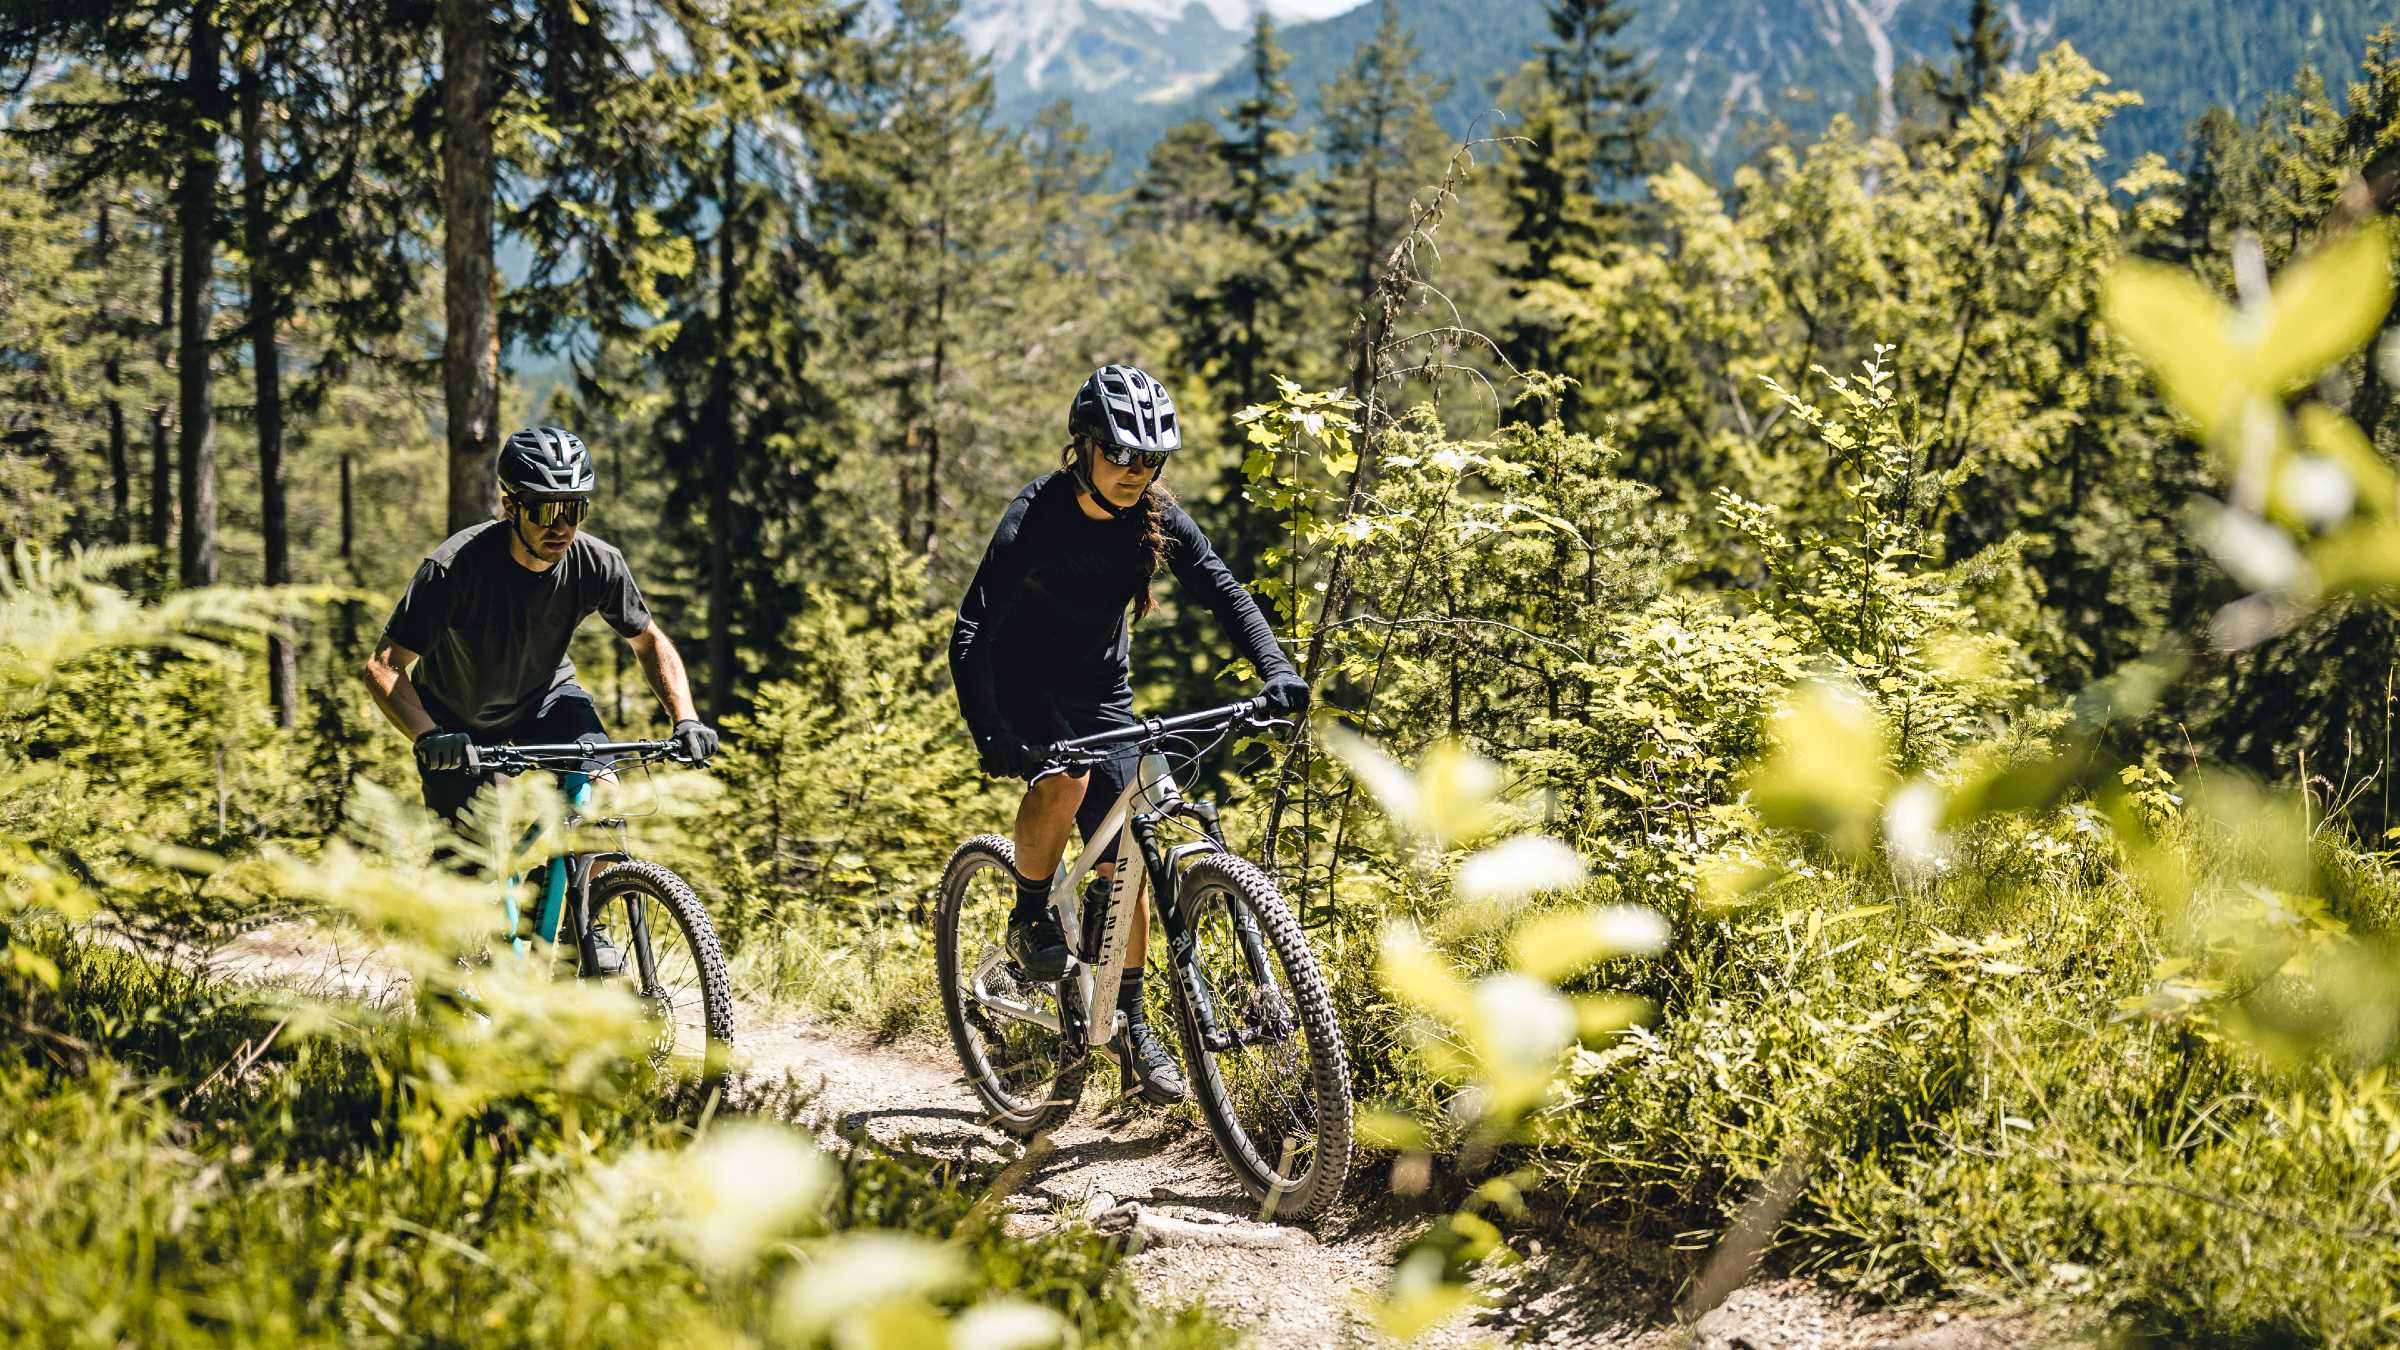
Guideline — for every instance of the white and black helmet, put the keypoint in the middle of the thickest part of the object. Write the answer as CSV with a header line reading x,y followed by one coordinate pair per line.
x,y
1120,408
546,462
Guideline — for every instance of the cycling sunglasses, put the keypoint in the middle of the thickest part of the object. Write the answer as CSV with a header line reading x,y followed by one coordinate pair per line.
x,y
1124,458
543,512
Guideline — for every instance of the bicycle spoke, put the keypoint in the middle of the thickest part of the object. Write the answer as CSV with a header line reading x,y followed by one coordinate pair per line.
x,y
1020,1057
1266,1070
673,992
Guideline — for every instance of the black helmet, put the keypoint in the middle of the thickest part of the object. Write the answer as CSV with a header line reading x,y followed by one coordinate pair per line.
x,y
1120,408
546,462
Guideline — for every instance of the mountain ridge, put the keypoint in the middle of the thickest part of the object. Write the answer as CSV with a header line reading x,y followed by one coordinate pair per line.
x,y
1723,68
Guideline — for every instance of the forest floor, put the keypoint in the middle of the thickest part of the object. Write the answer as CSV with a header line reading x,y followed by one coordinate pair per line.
x,y
1154,1175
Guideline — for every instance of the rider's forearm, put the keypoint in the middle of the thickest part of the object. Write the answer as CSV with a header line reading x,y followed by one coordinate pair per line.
x,y
397,699
662,666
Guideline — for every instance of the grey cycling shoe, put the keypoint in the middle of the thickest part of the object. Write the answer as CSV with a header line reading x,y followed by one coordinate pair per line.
x,y
1144,1063
1039,947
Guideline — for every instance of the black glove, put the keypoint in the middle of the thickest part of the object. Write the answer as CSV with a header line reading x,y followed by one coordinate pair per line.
x,y
696,740
1006,756
1286,696
440,751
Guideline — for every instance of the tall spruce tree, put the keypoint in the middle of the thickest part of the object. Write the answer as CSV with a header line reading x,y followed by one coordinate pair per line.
x,y
1984,48
1180,182
1606,87
1239,326
1381,145
470,275
743,422
166,125
936,250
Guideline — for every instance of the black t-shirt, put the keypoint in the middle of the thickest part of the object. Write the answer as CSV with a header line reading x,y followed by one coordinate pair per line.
x,y
493,633
1048,605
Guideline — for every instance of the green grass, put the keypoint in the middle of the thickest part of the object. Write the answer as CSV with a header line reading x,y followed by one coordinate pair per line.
x,y
1978,1110
307,1202
872,972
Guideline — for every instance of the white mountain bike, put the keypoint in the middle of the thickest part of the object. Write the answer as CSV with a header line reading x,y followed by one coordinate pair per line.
x,y
1257,1027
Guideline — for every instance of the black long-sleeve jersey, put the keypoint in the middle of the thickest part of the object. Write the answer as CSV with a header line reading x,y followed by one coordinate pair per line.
x,y
1048,606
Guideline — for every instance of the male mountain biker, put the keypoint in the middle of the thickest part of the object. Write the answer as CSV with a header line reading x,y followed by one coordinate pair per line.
x,y
476,651
1041,650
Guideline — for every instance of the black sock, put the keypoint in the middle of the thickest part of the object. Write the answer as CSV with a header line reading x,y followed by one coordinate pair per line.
x,y
1033,899
1129,994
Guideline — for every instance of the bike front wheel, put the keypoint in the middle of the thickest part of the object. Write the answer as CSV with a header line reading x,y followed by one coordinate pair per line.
x,y
672,955
1012,1034
1265,1053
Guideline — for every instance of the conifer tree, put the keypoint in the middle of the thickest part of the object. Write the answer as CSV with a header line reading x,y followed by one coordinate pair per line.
x,y
166,125
934,252
734,379
1552,214
470,276
1181,181
1240,327
1574,182
1381,145
1605,87
1984,49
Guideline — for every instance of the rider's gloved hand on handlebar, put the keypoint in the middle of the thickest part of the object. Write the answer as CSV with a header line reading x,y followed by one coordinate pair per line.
x,y
1007,756
440,751
695,740
1286,696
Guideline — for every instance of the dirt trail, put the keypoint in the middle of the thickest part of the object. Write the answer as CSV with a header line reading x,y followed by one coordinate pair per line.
x,y
1120,1162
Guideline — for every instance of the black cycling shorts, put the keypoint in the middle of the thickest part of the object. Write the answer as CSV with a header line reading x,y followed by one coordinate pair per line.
x,y
1041,716
566,715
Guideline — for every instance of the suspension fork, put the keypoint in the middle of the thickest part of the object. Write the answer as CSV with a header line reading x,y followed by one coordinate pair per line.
x,y
1183,947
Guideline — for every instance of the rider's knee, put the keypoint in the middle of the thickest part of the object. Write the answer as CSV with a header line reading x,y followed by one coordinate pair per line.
x,y
1059,790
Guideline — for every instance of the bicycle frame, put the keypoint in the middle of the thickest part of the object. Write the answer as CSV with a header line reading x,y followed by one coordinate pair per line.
x,y
569,874
1128,835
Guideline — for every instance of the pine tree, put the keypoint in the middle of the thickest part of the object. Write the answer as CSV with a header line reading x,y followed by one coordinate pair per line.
x,y
470,276
1983,51
1574,184
1241,328
1381,145
1182,180
165,125
1606,88
2208,204
927,195
1551,212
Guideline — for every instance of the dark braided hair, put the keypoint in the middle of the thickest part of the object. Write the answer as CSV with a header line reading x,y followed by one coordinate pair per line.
x,y
1151,520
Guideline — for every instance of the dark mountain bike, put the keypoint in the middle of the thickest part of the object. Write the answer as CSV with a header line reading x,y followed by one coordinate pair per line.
x,y
669,949
1256,1022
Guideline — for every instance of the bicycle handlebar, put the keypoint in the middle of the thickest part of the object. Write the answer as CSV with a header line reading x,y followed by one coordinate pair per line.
x,y
1086,749
570,757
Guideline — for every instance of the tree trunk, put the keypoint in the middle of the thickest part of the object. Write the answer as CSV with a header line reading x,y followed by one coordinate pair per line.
x,y
470,305
267,366
719,422
346,531
120,465
162,463
195,210
941,355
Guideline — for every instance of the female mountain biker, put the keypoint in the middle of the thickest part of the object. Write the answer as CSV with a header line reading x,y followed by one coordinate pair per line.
x,y
1040,654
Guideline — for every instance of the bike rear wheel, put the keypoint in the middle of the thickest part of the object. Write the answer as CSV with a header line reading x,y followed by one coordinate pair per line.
x,y
1029,1077
672,955
1276,1086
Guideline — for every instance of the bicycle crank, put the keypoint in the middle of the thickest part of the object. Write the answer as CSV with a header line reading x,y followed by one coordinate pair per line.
x,y
979,989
